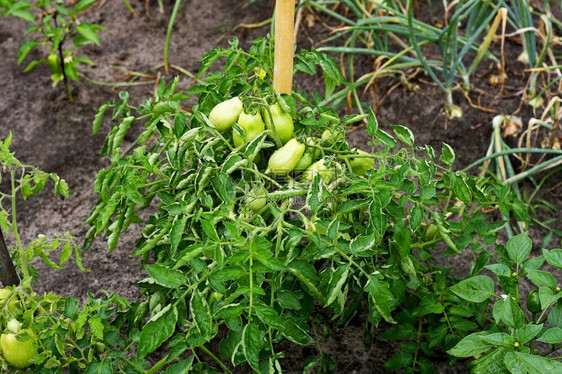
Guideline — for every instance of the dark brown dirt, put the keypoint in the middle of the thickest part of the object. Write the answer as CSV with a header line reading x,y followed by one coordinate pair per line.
x,y
55,135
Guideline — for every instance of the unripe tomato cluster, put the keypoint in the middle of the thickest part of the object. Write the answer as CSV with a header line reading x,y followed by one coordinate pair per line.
x,y
300,155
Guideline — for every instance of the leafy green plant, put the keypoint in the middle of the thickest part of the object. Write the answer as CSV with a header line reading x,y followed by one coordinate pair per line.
x,y
27,180
511,341
238,252
56,25
52,332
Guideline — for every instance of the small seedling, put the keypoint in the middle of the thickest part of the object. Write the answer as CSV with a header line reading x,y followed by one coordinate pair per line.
x,y
57,26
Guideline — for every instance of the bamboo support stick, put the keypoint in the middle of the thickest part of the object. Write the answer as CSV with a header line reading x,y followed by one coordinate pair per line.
x,y
284,44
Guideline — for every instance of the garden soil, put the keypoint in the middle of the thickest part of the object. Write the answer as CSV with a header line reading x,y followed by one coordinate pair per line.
x,y
55,135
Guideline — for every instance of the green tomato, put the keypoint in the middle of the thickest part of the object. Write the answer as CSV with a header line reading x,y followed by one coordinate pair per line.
x,y
224,114
361,165
319,167
284,160
432,233
282,122
16,352
534,302
304,161
330,137
327,135
253,126
307,158
256,198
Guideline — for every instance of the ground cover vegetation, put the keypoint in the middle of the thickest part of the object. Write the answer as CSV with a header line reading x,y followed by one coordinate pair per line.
x,y
260,225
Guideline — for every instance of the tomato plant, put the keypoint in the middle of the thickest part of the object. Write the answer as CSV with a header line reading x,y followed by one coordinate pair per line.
x,y
49,333
352,241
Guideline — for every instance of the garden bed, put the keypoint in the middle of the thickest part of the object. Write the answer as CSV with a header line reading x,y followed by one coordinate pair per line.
x,y
55,135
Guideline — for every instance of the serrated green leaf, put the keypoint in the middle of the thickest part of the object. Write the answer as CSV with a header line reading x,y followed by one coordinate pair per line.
x,y
261,250
252,343
65,253
306,273
288,300
98,118
337,281
381,297
382,137
165,276
269,316
296,333
460,187
201,314
447,155
404,134
96,327
70,307
231,310
372,123
157,330
416,217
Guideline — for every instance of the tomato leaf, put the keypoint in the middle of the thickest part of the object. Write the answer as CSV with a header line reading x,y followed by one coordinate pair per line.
x,y
447,155
201,315
165,276
252,343
381,297
160,327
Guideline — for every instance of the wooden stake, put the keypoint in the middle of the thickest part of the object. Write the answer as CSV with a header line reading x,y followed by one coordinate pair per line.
x,y
8,274
284,44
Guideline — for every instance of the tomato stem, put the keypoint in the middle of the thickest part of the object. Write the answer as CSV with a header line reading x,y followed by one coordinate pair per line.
x,y
23,260
215,358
